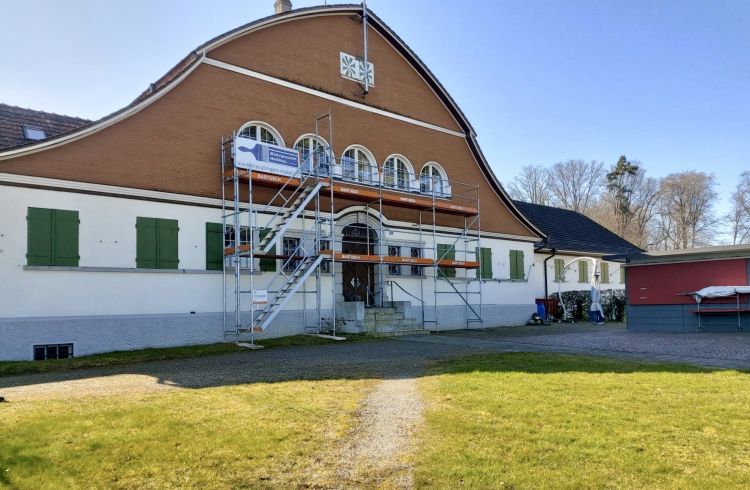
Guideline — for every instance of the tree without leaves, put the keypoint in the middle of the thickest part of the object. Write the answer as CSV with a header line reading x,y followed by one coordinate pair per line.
x,y
531,185
739,215
645,199
685,210
576,185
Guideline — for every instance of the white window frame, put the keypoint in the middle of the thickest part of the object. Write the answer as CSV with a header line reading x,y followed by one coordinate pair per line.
x,y
312,141
260,125
430,166
372,165
395,161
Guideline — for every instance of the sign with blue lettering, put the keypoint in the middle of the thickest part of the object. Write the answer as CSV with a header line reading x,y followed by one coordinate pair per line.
x,y
261,157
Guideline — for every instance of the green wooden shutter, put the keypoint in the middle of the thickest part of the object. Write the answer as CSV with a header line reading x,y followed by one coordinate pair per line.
x,y
583,271
39,236
559,266
446,252
65,238
484,255
622,274
520,269
605,272
146,254
516,264
267,265
167,242
214,246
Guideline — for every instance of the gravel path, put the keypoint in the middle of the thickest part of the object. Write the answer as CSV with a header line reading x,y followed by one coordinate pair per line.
x,y
376,451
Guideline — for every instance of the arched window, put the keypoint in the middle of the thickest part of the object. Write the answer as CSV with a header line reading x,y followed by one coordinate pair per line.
x,y
432,178
358,164
313,152
260,131
397,172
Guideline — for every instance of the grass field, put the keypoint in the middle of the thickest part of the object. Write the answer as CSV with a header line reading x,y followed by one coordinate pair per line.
x,y
11,368
277,435
556,421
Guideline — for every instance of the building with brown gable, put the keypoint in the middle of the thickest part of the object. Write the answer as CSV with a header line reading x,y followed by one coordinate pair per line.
x,y
274,158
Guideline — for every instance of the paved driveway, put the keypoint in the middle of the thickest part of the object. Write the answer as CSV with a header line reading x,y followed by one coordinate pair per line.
x,y
726,350
382,359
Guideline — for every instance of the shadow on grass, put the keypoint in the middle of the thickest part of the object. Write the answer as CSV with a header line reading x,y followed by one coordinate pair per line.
x,y
321,359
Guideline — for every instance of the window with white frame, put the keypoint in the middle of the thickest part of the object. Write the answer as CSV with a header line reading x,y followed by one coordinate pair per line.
x,y
432,179
260,131
397,173
357,164
394,251
312,152
416,253
290,249
325,266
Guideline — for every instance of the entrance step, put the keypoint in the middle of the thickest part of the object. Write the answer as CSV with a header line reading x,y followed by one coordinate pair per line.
x,y
394,331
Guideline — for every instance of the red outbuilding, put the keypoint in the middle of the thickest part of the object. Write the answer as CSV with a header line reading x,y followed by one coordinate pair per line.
x,y
699,289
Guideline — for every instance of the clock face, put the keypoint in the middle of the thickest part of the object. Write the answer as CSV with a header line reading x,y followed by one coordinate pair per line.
x,y
353,68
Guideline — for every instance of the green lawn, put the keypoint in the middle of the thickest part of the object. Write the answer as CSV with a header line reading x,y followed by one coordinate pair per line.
x,y
255,435
557,421
11,368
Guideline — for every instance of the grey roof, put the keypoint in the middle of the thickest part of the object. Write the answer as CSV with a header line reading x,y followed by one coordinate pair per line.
x,y
685,255
572,231
13,119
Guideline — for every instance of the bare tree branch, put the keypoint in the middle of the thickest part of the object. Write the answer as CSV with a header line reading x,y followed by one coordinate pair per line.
x,y
576,185
531,185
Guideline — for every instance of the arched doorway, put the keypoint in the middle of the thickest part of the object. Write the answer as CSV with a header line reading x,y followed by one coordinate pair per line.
x,y
358,277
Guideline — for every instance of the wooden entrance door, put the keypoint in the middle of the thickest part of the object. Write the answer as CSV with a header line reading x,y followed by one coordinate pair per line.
x,y
358,278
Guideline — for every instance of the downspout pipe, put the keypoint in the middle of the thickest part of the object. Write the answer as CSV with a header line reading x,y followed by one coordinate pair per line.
x,y
546,292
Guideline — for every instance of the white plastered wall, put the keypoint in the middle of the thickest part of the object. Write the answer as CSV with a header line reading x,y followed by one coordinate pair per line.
x,y
571,282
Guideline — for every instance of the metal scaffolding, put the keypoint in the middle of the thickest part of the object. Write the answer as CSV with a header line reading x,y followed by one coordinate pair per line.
x,y
256,231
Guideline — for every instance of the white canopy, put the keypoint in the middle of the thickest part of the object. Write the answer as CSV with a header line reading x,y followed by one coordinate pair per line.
x,y
720,292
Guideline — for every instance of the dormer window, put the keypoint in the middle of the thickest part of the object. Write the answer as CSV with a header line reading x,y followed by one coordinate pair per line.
x,y
34,133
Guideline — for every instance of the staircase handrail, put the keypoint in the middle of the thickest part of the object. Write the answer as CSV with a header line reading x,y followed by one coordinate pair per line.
x,y
404,290
293,256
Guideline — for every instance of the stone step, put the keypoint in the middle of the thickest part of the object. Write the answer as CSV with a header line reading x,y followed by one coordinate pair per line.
x,y
372,311
381,323
388,317
397,332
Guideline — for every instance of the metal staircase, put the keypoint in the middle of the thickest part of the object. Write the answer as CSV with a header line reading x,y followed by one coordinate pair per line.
x,y
304,259
294,280
282,220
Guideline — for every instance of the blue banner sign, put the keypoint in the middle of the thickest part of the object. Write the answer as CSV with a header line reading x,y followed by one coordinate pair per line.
x,y
261,157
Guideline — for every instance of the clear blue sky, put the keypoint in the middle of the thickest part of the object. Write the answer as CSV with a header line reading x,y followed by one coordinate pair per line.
x,y
664,82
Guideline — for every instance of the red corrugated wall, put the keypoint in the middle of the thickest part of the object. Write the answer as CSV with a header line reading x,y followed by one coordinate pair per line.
x,y
660,284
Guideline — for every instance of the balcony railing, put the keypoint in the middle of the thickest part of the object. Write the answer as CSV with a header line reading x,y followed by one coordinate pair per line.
x,y
347,169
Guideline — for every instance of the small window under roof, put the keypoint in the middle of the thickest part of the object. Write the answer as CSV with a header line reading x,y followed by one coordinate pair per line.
x,y
32,133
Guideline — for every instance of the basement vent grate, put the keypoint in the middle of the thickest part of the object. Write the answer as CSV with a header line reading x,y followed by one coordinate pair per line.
x,y
53,351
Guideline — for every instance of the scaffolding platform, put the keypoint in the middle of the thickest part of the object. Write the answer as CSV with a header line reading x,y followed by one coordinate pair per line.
x,y
355,192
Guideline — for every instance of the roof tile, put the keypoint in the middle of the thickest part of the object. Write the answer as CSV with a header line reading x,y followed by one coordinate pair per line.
x,y
13,119
572,231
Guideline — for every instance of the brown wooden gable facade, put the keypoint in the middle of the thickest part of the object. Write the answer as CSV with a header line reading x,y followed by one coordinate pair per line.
x,y
172,144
